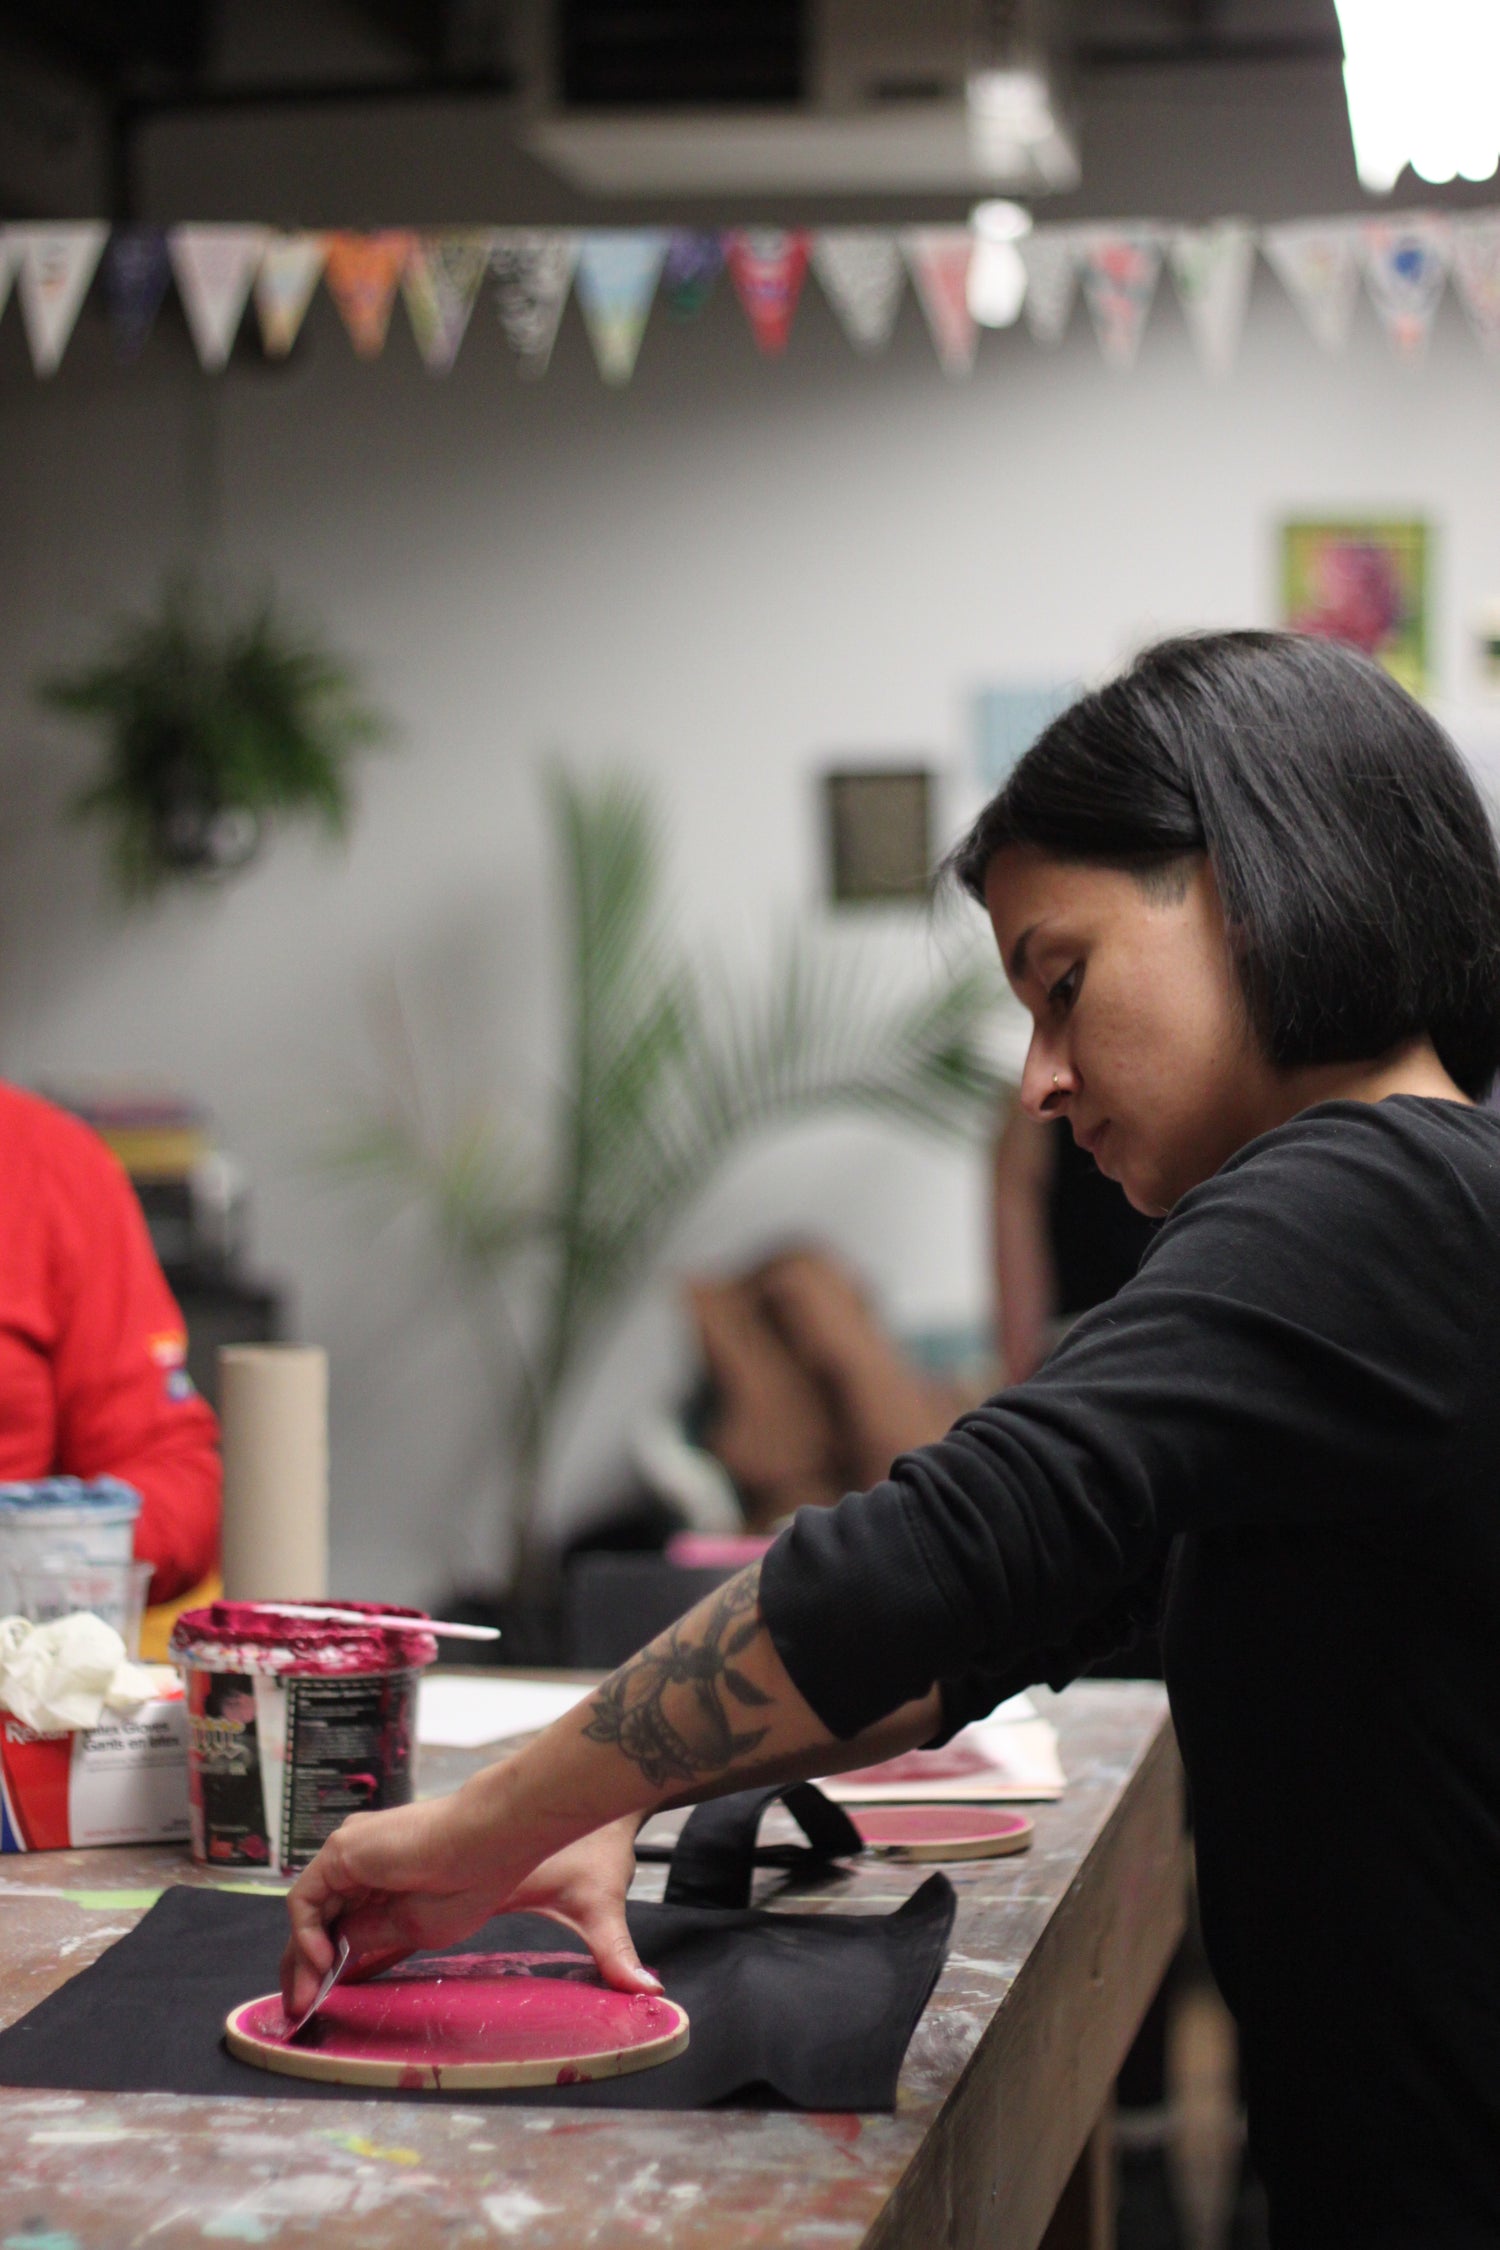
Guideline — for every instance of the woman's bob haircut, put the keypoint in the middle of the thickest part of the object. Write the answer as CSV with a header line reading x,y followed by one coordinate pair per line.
x,y
1353,854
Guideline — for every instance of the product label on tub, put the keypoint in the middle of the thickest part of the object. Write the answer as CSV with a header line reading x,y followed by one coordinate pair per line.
x,y
349,1747
121,1782
227,1800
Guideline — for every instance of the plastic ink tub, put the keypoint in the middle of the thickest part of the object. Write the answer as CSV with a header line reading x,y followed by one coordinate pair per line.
x,y
62,1521
294,1723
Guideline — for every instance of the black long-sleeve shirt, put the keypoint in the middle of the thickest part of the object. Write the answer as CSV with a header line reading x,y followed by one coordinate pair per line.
x,y
1296,1401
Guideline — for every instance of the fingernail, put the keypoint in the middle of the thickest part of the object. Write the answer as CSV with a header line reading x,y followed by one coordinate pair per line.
x,y
653,1981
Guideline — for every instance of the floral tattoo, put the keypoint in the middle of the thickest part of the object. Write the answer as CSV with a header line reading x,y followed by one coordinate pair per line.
x,y
670,1709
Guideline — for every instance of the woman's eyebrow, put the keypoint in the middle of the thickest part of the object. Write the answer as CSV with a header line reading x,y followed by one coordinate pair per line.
x,y
1018,957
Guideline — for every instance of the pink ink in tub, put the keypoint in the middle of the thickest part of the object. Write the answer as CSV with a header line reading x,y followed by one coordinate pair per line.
x,y
294,1723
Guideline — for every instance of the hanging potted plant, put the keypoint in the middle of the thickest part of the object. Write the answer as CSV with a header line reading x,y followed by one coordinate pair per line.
x,y
216,724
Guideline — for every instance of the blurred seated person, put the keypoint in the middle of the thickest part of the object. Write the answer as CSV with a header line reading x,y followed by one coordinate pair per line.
x,y
93,1376
1065,1239
809,1398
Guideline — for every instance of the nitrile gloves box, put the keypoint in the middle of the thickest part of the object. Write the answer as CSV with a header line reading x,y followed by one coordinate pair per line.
x,y
121,1782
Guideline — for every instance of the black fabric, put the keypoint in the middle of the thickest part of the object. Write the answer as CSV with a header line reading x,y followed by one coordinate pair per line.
x,y
1096,1237
1300,1389
715,1858
814,2010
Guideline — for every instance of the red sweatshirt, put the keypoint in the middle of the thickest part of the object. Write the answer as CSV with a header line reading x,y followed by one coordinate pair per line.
x,y
92,1346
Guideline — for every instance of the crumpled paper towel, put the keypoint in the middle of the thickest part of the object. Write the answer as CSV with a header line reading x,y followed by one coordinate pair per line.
x,y
63,1676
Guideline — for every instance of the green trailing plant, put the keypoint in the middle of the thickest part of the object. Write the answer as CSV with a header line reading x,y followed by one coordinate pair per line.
x,y
671,1062
215,724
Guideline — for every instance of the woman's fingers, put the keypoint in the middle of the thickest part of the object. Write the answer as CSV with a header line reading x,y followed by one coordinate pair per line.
x,y
602,1926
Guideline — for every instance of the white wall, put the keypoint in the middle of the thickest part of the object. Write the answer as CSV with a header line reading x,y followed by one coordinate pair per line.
x,y
725,576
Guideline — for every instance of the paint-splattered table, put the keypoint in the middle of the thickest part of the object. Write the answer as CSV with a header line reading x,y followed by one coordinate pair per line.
x,y
1055,1957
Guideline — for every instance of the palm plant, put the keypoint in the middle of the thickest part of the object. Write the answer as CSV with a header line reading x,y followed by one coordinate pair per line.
x,y
670,1064
213,724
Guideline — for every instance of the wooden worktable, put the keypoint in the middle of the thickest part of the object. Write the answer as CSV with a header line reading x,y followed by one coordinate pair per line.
x,y
1055,1956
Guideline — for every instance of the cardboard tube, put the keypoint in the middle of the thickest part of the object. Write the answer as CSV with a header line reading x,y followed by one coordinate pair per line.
x,y
273,1406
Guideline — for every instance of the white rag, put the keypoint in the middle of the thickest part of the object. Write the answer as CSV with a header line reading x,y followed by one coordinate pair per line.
x,y
60,1677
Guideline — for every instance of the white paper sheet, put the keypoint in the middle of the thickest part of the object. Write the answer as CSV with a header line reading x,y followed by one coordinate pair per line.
x,y
463,1712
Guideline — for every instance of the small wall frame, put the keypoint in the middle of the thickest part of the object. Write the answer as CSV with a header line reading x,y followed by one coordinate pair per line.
x,y
877,824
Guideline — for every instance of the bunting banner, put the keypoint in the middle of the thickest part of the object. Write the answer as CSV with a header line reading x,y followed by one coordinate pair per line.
x,y
1406,267
1317,263
618,269
693,264
533,269
1475,247
768,268
214,267
290,269
54,264
363,273
1213,268
862,276
137,275
939,258
1119,272
440,283
1051,262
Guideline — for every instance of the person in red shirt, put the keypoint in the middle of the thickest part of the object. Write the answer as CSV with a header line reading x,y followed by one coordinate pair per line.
x,y
93,1375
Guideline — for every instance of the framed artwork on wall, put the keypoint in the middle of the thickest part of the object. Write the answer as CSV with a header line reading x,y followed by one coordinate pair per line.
x,y
1363,582
877,834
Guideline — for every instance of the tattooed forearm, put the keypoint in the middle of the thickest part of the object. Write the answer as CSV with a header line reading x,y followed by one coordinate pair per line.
x,y
672,1710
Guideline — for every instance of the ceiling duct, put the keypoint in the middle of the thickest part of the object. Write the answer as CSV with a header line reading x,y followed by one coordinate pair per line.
x,y
858,97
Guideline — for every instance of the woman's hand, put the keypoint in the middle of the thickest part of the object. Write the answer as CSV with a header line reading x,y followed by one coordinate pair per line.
x,y
429,1874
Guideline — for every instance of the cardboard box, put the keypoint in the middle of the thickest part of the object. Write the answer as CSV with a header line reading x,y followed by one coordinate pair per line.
x,y
122,1782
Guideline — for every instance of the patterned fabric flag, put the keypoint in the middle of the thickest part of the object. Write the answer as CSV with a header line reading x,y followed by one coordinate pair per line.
x,y
1317,263
939,259
137,272
1213,268
1406,265
290,270
618,269
54,265
440,282
1051,263
1476,272
364,272
692,266
862,275
215,266
1119,271
768,268
533,269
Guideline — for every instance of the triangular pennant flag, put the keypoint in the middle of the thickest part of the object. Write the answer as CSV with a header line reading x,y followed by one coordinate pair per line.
x,y
1476,272
939,258
54,265
862,275
618,269
1051,263
289,273
137,271
1317,263
533,269
693,264
1212,267
1406,265
440,282
215,266
1119,269
767,268
363,273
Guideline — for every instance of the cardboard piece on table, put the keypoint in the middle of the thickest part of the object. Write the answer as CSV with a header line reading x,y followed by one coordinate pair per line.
x,y
997,1761
475,2020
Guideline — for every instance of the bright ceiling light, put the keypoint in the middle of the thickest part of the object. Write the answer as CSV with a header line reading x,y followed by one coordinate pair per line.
x,y
997,220
1423,88
997,283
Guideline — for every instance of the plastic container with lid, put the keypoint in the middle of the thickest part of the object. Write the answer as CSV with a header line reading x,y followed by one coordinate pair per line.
x,y
55,1521
294,1723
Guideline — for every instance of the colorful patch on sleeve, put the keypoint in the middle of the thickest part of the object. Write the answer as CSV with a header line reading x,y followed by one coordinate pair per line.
x,y
168,1347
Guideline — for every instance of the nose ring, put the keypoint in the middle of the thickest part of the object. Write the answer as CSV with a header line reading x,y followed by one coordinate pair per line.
x,y
1057,1077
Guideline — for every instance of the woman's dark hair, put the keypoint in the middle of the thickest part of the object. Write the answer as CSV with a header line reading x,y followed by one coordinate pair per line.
x,y
1353,853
